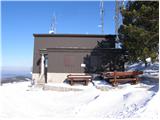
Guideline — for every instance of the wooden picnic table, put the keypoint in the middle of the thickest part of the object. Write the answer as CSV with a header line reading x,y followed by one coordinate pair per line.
x,y
117,77
79,78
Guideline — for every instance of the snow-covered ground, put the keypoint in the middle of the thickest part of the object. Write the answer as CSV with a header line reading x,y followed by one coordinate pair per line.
x,y
19,101
151,71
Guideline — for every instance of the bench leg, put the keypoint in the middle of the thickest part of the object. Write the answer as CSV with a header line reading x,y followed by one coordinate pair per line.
x,y
114,84
71,82
86,83
135,81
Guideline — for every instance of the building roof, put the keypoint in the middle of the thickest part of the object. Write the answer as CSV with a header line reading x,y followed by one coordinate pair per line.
x,y
73,35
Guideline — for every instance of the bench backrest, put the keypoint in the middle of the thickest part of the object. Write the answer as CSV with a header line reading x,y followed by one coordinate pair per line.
x,y
79,76
131,73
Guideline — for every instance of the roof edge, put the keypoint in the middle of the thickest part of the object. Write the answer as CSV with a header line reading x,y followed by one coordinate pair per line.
x,y
74,35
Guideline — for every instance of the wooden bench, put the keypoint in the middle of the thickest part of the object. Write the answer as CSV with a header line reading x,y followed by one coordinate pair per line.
x,y
79,78
117,77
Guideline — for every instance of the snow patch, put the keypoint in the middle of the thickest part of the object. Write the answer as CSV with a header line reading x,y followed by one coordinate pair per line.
x,y
19,101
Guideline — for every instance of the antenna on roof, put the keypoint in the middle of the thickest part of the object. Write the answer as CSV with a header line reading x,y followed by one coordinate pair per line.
x,y
118,6
53,25
102,16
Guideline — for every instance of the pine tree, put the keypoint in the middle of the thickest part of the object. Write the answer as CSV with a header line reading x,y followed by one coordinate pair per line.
x,y
139,32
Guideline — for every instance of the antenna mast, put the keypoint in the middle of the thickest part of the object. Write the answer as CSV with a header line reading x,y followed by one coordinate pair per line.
x,y
119,5
102,15
53,25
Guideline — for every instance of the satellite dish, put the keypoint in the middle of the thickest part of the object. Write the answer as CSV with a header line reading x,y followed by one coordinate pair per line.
x,y
51,32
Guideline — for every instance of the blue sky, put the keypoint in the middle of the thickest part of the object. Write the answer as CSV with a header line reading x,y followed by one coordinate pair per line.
x,y
21,19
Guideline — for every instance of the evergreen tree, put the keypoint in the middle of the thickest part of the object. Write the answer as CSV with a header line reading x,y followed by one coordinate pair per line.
x,y
139,32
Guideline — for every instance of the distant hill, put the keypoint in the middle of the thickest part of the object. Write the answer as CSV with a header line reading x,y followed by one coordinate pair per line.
x,y
15,76
15,79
